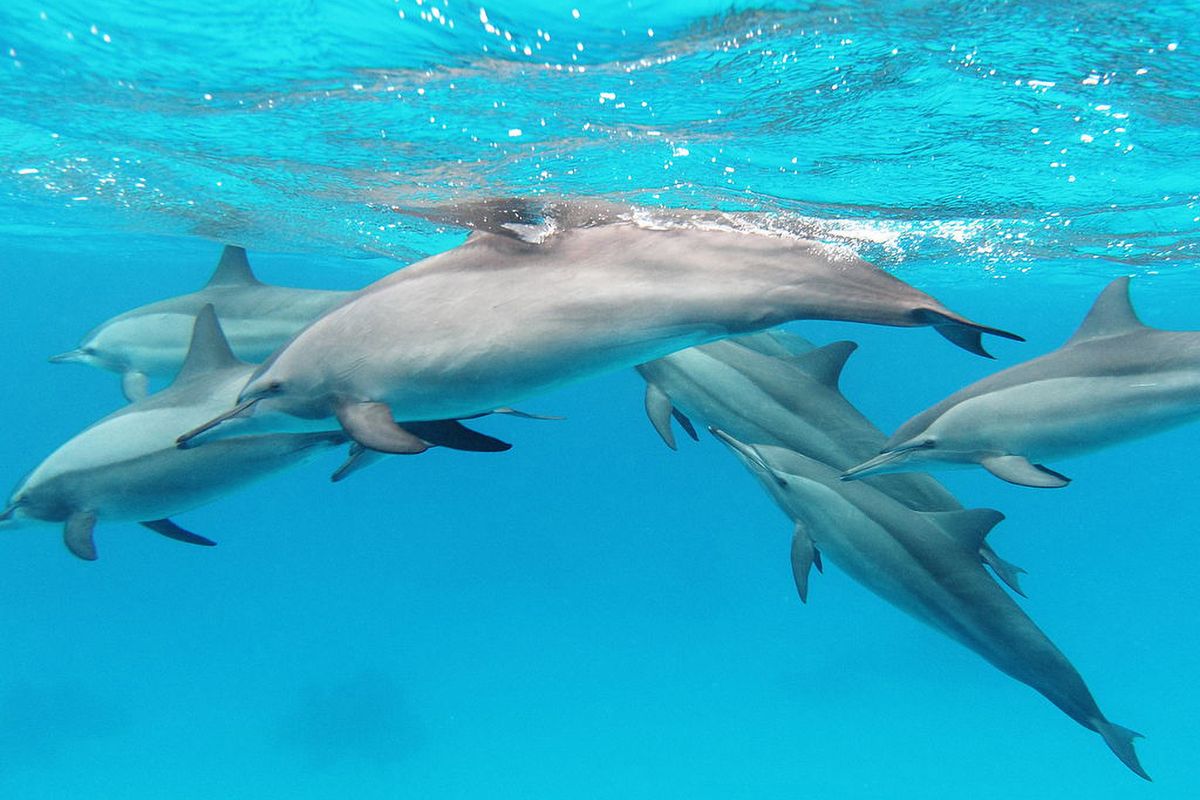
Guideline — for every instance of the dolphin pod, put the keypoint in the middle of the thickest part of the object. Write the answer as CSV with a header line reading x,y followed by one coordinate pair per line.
x,y
904,536
152,340
498,319
126,467
1115,379
530,303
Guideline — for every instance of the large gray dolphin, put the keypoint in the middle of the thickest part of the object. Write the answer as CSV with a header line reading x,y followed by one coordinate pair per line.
x,y
926,564
126,467
499,319
778,388
152,340
1115,379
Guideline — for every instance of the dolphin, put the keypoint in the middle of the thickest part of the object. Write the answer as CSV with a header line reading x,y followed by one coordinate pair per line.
x,y
778,388
152,340
1114,379
926,564
126,467
498,319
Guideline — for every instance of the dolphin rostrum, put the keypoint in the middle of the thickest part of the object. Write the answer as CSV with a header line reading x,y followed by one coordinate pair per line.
x,y
499,319
926,564
778,388
1114,379
152,340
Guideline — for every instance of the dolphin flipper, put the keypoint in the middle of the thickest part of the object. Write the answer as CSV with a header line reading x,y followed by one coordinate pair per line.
x,y
372,426
135,385
456,436
1019,470
660,411
170,530
1005,570
804,555
77,534
358,458
1120,741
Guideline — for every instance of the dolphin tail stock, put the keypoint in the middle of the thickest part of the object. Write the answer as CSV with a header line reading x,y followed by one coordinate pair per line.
x,y
962,332
1120,741
167,528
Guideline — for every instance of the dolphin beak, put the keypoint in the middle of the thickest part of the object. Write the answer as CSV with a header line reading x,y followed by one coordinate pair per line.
x,y
746,453
877,464
243,409
70,357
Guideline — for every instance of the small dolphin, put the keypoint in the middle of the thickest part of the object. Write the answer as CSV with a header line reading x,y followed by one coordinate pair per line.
x,y
926,564
1114,379
778,388
152,340
499,319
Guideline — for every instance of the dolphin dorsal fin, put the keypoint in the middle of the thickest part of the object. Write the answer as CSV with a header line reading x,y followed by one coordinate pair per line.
x,y
1112,314
825,364
233,269
969,527
209,349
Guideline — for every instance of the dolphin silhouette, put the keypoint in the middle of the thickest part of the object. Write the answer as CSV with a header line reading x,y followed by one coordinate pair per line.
x,y
1114,379
778,388
152,340
926,564
499,319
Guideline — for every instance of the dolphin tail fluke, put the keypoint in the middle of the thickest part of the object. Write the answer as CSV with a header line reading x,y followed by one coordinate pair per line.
x,y
456,436
964,333
167,528
1120,741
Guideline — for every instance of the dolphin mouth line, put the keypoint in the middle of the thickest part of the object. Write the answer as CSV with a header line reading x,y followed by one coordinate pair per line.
x,y
68,357
869,466
242,409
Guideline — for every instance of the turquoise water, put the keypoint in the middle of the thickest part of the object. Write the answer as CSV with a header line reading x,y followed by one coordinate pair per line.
x,y
589,614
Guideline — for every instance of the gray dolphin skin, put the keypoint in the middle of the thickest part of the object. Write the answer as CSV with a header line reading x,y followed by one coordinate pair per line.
x,y
926,564
1115,379
778,388
126,467
499,319
152,340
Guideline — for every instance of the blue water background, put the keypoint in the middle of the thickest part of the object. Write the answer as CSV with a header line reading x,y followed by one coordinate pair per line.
x,y
589,614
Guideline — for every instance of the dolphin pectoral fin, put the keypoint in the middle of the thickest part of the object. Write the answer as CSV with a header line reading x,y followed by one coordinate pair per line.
x,y
77,534
1005,570
358,458
456,436
1120,741
135,385
1019,470
169,529
660,411
372,426
963,332
804,555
